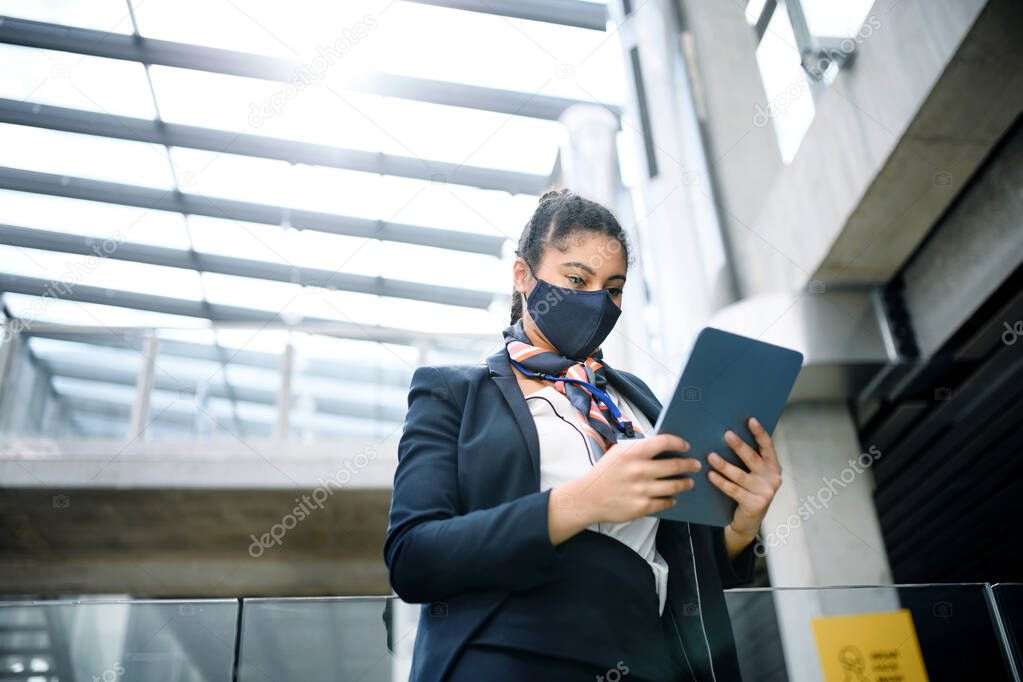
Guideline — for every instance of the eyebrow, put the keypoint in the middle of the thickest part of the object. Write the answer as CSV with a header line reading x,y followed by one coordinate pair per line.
x,y
590,270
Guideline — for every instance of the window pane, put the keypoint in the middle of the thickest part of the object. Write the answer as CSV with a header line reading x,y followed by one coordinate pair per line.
x,y
355,255
828,18
789,102
102,15
86,156
343,118
352,193
93,218
404,38
72,270
110,86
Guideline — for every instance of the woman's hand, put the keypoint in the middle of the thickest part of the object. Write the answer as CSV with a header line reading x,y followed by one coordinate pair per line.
x,y
753,490
623,485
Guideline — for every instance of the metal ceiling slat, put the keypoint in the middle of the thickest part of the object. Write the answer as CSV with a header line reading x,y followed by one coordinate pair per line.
x,y
85,41
573,13
229,314
239,267
244,211
194,137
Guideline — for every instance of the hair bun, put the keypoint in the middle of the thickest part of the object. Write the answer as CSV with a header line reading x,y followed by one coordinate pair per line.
x,y
552,194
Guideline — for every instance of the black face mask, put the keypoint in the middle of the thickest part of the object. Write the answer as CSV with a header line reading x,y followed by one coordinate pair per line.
x,y
576,322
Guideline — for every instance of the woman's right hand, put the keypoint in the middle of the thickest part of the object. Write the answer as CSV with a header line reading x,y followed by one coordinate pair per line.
x,y
624,483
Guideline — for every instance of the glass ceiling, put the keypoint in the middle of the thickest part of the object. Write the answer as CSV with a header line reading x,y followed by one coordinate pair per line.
x,y
533,58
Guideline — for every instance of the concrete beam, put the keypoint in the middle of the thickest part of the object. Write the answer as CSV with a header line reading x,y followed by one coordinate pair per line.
x,y
934,86
184,464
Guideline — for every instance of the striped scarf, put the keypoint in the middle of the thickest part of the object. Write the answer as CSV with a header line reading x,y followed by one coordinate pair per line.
x,y
598,422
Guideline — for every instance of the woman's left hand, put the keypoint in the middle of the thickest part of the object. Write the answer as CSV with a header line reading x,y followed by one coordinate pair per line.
x,y
752,490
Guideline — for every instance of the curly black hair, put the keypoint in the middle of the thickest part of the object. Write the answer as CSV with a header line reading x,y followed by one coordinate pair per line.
x,y
561,213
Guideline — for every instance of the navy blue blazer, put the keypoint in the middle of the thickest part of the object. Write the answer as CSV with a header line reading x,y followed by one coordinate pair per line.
x,y
468,522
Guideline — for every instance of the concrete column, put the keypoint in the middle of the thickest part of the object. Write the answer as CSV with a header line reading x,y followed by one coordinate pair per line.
x,y
590,167
822,528
677,221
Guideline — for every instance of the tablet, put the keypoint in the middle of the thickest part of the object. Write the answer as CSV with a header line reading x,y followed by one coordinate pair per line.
x,y
727,379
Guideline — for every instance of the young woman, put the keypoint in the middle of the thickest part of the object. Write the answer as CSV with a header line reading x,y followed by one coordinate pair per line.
x,y
520,513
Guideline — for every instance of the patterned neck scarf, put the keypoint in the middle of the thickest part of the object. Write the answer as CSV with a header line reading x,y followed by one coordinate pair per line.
x,y
598,418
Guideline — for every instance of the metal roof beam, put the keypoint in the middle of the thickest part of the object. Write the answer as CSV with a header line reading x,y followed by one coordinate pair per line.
x,y
244,211
565,12
86,41
292,151
239,267
228,314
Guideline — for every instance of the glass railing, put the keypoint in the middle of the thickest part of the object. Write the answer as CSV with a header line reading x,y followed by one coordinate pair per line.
x,y
118,639
953,631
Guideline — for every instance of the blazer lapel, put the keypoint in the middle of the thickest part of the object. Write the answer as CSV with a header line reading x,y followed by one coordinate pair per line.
x,y
501,372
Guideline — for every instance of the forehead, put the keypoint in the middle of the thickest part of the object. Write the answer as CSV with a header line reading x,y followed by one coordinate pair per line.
x,y
595,249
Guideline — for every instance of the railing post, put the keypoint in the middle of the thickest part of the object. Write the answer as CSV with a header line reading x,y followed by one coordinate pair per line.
x,y
282,429
144,387
11,338
1004,642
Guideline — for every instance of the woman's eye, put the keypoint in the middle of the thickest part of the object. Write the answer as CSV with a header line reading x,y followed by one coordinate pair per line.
x,y
575,279
615,291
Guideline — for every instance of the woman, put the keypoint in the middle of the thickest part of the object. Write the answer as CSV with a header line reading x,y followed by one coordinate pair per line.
x,y
520,516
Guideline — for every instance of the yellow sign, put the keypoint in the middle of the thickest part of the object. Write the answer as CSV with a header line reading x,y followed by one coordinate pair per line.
x,y
872,647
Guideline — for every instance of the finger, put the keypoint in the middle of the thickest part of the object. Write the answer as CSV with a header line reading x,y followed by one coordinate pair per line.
x,y
672,487
753,482
657,504
729,470
737,493
750,457
669,466
661,442
764,441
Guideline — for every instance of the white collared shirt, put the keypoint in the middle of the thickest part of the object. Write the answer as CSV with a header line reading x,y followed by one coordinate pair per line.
x,y
565,455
